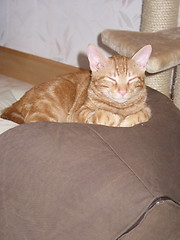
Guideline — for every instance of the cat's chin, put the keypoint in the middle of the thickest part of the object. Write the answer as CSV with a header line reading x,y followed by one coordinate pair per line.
x,y
122,100
119,99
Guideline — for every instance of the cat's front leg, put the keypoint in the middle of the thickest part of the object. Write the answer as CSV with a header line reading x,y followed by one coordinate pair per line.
x,y
136,118
104,118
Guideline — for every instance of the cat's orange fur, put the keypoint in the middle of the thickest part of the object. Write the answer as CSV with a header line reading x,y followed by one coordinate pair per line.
x,y
113,94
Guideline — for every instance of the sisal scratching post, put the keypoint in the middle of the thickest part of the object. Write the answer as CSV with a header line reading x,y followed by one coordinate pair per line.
x,y
159,15
160,81
176,94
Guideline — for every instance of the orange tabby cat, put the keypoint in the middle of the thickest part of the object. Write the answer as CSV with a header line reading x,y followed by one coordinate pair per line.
x,y
113,94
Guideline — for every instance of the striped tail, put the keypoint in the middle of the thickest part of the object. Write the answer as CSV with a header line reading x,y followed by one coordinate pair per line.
x,y
12,114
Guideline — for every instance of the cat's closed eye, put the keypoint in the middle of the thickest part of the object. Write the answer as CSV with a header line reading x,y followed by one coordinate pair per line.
x,y
111,79
134,79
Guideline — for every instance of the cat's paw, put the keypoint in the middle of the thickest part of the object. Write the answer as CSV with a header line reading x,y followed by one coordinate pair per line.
x,y
129,121
137,118
105,118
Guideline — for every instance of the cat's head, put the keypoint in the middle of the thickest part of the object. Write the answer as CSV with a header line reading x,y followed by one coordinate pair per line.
x,y
118,78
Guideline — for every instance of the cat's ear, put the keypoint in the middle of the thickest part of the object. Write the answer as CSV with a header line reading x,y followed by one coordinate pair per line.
x,y
97,59
142,57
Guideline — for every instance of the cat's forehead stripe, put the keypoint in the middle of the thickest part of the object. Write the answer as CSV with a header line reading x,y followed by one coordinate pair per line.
x,y
120,65
117,66
125,65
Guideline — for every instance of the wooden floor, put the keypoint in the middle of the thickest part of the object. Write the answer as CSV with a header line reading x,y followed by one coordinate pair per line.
x,y
30,68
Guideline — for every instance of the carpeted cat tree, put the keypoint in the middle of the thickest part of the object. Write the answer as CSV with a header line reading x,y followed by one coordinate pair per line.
x,y
158,28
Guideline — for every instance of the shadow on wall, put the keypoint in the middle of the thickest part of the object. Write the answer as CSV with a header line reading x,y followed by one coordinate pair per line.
x,y
82,58
83,62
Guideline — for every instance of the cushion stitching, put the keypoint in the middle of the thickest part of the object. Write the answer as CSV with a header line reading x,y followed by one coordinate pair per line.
x,y
148,209
114,151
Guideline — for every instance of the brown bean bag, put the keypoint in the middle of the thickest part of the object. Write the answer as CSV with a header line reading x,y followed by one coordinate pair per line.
x,y
67,181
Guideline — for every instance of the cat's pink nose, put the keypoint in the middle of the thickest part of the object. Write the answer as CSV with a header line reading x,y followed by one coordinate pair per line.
x,y
122,93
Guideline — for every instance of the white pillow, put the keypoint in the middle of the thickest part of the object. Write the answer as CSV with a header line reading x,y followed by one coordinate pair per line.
x,y
11,90
6,124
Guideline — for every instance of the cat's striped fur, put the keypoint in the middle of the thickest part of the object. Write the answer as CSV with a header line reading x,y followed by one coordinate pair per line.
x,y
113,94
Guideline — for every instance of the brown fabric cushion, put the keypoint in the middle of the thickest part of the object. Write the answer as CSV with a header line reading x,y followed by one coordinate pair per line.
x,y
88,182
161,223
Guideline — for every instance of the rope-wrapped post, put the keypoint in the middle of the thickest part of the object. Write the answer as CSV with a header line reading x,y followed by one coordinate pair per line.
x,y
159,15
176,93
